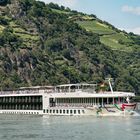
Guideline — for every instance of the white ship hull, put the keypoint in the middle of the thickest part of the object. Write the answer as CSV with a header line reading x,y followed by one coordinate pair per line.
x,y
66,100
93,111
73,111
22,112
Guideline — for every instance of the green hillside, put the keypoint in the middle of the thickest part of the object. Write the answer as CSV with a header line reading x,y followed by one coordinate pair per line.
x,y
47,45
109,35
96,27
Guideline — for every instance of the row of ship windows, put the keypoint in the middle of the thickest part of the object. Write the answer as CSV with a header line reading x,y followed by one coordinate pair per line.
x,y
63,111
20,112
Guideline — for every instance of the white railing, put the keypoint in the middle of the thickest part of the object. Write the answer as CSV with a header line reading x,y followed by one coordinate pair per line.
x,y
19,92
75,91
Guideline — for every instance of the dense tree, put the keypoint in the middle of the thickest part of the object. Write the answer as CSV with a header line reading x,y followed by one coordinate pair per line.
x,y
4,2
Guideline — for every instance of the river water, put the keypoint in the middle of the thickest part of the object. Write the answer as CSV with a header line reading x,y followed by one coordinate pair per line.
x,y
20,127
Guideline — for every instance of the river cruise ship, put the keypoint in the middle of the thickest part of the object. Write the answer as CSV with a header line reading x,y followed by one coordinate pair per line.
x,y
68,99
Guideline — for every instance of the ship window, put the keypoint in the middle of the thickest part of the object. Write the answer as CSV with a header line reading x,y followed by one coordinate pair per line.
x,y
47,110
78,111
50,111
110,100
56,111
74,111
70,111
60,111
67,111
44,111
53,111
105,100
100,101
63,111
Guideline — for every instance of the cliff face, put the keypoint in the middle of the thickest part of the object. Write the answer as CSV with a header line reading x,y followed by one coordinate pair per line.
x,y
43,44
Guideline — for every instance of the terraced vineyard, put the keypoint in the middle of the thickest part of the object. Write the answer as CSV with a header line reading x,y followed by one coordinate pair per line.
x,y
109,35
96,27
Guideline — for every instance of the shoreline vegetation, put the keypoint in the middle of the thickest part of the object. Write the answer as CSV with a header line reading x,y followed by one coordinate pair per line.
x,y
137,99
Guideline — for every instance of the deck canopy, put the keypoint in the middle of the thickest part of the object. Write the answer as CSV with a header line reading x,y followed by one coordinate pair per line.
x,y
36,87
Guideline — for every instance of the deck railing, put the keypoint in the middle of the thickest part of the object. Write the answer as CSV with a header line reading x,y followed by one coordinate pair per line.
x,y
19,92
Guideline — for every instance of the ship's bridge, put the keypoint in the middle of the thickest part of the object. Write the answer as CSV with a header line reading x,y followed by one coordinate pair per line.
x,y
69,88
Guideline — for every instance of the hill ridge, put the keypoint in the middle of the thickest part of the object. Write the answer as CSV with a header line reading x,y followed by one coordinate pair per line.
x,y
43,44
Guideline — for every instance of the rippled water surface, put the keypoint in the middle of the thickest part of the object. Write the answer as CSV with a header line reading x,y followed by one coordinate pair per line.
x,y
69,128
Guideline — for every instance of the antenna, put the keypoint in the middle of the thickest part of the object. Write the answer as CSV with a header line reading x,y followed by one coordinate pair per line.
x,y
109,82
